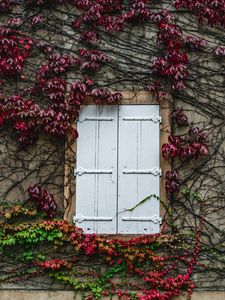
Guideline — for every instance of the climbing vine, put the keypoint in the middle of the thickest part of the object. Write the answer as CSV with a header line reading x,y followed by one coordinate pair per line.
x,y
142,272
54,55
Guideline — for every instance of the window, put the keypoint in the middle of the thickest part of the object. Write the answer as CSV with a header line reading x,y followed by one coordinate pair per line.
x,y
117,167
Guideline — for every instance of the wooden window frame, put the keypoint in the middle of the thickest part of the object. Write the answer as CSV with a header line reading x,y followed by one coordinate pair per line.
x,y
71,146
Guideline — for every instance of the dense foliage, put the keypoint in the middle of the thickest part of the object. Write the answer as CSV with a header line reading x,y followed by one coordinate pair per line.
x,y
135,268
28,118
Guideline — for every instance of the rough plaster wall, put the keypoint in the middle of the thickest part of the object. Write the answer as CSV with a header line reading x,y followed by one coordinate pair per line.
x,y
42,164
206,177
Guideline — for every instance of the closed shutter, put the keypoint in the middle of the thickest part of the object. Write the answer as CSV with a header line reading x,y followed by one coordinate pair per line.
x,y
96,170
118,167
138,173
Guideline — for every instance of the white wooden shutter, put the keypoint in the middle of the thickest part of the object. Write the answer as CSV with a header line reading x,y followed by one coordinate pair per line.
x,y
96,169
138,171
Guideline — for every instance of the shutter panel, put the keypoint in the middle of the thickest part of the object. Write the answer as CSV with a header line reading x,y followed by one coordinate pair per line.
x,y
96,170
138,159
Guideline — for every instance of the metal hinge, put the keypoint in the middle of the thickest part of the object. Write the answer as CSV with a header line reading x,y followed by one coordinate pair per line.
x,y
154,171
80,171
80,218
154,219
95,119
153,118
